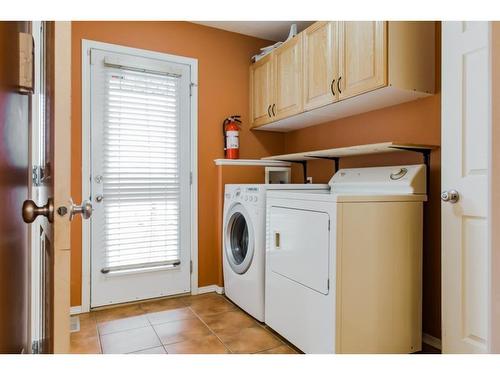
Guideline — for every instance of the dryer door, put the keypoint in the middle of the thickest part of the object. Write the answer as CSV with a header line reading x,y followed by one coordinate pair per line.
x,y
300,246
239,239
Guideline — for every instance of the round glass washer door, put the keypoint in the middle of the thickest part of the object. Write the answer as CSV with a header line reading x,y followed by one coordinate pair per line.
x,y
239,239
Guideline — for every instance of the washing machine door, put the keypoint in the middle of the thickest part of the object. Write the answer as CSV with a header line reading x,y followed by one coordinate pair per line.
x,y
239,239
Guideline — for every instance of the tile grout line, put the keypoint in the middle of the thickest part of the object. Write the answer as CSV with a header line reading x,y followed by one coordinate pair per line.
x,y
159,339
94,319
153,327
210,329
135,316
261,325
185,304
251,317
98,334
130,329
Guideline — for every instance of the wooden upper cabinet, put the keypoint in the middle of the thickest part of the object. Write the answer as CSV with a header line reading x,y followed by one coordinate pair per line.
x,y
261,91
362,57
338,69
288,79
320,46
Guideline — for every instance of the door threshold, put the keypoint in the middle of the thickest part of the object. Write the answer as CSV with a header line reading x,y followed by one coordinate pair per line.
x,y
131,303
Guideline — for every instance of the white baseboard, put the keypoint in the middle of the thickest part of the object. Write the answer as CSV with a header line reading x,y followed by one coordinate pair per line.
x,y
75,310
431,340
210,289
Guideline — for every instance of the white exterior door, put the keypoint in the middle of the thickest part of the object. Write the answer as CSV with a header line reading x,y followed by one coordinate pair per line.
x,y
140,177
466,108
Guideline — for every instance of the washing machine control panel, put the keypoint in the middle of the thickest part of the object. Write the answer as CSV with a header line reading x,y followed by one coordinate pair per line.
x,y
251,194
245,195
246,198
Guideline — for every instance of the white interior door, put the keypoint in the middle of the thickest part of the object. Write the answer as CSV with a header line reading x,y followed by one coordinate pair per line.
x,y
466,109
140,177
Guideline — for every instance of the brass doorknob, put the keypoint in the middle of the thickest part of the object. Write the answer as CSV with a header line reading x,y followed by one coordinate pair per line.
x,y
31,211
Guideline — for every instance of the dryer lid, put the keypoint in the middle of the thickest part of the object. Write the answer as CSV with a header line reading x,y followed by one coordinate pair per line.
x,y
401,179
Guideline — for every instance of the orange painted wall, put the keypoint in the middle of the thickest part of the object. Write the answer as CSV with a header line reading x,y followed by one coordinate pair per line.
x,y
223,59
414,122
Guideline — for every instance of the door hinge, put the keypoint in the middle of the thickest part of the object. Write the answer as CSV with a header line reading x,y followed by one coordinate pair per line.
x,y
190,178
36,175
191,85
328,284
35,347
329,221
39,175
190,266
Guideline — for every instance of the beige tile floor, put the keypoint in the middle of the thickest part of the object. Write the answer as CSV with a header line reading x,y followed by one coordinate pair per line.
x,y
203,324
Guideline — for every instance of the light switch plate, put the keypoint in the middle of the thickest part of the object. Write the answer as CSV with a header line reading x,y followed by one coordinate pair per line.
x,y
26,63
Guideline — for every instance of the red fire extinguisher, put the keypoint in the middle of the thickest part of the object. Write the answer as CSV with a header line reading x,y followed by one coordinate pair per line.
x,y
231,131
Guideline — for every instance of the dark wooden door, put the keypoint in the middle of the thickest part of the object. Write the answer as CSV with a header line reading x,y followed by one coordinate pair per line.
x,y
14,190
16,187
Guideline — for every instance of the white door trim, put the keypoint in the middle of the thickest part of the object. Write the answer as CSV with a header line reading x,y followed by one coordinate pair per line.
x,y
86,165
34,234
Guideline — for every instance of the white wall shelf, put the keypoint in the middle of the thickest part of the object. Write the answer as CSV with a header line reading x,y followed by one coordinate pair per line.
x,y
252,162
374,148
335,154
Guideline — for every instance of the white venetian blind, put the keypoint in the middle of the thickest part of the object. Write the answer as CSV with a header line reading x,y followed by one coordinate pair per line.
x,y
141,185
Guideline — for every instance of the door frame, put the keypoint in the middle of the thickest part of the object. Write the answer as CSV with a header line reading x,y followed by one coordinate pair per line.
x,y
35,258
86,152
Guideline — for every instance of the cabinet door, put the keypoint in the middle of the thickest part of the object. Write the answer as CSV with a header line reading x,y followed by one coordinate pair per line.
x,y
320,73
363,57
261,91
288,79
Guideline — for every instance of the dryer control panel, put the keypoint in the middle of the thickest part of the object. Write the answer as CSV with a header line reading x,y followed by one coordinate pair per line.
x,y
401,179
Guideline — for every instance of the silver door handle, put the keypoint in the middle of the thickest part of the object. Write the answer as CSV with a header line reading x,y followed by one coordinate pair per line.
x,y
85,209
451,196
99,198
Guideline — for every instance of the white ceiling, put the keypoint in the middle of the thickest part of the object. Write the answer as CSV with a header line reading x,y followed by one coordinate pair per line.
x,y
271,30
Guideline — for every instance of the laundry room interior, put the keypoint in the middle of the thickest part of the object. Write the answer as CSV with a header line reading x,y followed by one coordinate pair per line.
x,y
250,187
413,122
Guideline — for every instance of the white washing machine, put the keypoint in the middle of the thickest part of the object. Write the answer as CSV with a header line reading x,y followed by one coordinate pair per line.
x,y
344,268
243,237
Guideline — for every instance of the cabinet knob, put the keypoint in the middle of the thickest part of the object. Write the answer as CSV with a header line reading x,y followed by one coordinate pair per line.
x,y
274,106
338,85
331,87
269,110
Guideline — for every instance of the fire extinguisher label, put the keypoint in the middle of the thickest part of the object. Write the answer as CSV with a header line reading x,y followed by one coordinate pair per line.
x,y
232,140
